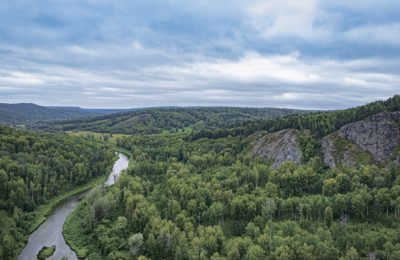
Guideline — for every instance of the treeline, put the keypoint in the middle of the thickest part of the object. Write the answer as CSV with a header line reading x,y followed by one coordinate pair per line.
x,y
158,120
320,123
207,199
35,167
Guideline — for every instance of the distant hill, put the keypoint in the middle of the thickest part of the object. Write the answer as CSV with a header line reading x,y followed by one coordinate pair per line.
x,y
28,113
157,120
319,123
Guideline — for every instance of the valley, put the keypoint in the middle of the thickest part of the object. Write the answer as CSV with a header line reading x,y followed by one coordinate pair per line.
x,y
317,185
200,130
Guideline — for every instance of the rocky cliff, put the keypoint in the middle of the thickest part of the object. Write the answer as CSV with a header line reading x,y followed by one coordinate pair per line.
x,y
279,147
373,140
377,136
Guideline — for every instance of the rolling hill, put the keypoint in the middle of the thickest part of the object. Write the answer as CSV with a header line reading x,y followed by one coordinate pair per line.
x,y
169,119
28,113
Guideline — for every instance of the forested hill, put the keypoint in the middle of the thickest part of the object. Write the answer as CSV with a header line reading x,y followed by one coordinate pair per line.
x,y
35,168
27,113
157,120
319,123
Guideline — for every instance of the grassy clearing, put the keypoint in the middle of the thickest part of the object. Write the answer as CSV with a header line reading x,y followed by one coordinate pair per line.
x,y
354,151
112,138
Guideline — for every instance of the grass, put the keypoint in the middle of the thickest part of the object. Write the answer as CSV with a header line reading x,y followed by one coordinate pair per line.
x,y
99,136
41,212
72,231
46,252
343,145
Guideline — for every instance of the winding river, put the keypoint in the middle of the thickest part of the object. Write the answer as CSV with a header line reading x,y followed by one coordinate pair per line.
x,y
50,232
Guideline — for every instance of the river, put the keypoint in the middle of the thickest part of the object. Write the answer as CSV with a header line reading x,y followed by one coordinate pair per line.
x,y
50,232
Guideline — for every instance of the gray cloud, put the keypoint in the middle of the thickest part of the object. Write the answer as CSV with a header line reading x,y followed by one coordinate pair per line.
x,y
303,54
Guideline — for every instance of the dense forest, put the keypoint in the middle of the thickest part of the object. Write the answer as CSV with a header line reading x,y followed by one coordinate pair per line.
x,y
209,199
158,120
320,123
194,189
30,114
36,167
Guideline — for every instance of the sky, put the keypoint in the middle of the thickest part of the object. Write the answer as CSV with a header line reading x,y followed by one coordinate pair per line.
x,y
304,54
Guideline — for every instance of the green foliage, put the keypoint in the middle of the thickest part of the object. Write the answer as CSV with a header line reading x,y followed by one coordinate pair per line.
x,y
309,145
206,199
328,216
158,120
319,123
46,252
35,170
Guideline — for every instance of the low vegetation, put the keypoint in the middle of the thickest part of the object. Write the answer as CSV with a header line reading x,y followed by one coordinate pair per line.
x,y
46,252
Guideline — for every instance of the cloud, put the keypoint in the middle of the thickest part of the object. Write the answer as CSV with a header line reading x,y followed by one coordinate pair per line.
x,y
252,80
387,33
286,18
303,54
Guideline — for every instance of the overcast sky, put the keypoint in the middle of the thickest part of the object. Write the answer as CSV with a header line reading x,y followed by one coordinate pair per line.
x,y
133,53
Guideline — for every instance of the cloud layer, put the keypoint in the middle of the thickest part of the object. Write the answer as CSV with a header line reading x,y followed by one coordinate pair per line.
x,y
300,54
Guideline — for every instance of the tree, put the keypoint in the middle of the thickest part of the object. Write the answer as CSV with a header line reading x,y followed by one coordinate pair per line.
x,y
216,212
328,216
255,252
352,254
252,230
268,209
383,199
329,187
135,243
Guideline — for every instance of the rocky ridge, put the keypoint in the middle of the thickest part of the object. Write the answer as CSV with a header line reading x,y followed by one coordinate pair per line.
x,y
372,140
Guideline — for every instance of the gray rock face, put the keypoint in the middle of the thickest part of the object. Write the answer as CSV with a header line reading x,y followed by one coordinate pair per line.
x,y
279,147
378,134
328,150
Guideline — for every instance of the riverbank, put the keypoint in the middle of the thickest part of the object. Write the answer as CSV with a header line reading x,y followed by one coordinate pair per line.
x,y
43,211
47,221
72,232
73,225
40,215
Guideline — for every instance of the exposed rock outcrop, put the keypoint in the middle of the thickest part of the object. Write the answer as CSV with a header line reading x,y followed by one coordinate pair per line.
x,y
377,136
328,150
279,147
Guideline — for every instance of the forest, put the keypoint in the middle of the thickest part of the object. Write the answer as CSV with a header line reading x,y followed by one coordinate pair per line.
x,y
319,123
208,199
35,168
168,119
